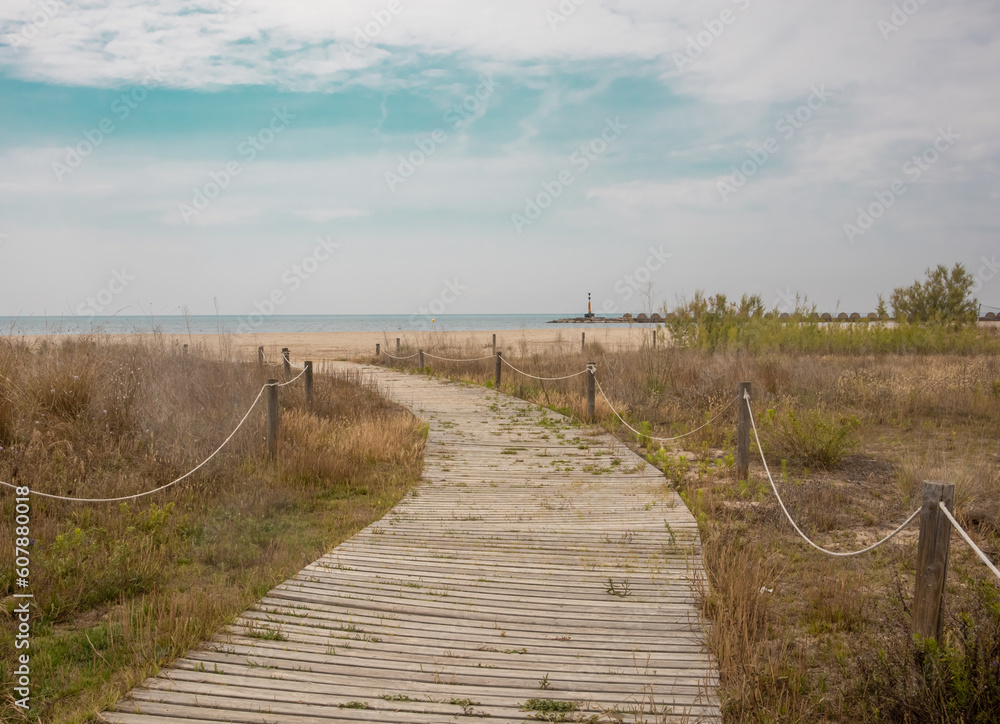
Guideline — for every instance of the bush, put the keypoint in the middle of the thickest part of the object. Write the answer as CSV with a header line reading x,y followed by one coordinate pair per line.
x,y
944,297
812,437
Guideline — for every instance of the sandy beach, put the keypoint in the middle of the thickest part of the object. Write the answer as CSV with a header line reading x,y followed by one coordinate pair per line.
x,y
346,345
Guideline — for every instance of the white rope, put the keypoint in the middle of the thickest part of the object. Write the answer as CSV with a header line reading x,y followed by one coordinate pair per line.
x,y
961,532
449,359
395,357
746,396
564,377
662,439
162,487
282,384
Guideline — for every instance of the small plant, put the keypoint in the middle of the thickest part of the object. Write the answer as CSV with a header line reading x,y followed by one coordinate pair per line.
x,y
672,536
354,705
621,590
548,709
544,683
255,630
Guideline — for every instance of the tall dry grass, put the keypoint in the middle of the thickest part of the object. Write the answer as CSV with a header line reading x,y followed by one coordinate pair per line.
x,y
121,588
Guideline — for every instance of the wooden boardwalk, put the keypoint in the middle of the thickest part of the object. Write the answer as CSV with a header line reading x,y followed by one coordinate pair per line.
x,y
537,561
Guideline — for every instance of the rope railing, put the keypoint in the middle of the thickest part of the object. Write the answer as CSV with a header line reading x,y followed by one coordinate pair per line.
x,y
450,359
661,439
965,536
788,515
282,384
162,487
182,477
544,379
410,356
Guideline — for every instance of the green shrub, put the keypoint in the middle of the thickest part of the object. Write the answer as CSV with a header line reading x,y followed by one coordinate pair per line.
x,y
810,437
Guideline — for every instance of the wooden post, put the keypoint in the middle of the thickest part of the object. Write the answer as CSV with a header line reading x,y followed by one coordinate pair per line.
x,y
743,433
932,559
185,350
654,339
272,419
496,381
309,382
260,357
494,343
421,359
583,342
287,359
591,389
378,349
397,346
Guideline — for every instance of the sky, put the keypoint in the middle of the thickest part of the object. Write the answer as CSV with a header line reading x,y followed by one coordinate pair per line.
x,y
384,156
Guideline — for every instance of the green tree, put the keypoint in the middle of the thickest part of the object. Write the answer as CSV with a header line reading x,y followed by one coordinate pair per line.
x,y
943,297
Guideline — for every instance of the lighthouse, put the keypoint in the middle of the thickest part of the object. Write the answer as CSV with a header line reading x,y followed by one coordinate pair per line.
x,y
589,314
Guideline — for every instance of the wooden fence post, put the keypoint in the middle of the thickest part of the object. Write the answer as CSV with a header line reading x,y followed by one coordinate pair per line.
x,y
287,359
260,357
185,350
743,432
272,419
494,344
591,390
421,359
397,347
309,382
496,381
378,349
932,559
583,342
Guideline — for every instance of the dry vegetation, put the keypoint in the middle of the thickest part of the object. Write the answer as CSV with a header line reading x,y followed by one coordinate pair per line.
x,y
123,588
851,435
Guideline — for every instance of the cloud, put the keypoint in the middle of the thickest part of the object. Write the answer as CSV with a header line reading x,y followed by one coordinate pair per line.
x,y
322,215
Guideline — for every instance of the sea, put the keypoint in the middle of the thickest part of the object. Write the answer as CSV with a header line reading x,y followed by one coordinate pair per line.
x,y
277,323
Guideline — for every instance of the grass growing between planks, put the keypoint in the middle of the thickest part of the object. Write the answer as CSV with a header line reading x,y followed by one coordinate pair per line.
x,y
123,588
851,431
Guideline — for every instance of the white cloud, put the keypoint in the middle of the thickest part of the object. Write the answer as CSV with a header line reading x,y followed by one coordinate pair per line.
x,y
322,215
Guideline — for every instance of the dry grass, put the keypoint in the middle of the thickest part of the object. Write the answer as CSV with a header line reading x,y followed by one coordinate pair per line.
x,y
123,588
801,637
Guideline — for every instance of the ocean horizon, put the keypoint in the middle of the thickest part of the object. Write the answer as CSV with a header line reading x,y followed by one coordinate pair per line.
x,y
276,323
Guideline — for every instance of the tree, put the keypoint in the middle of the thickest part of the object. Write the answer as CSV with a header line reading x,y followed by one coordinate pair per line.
x,y
943,297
